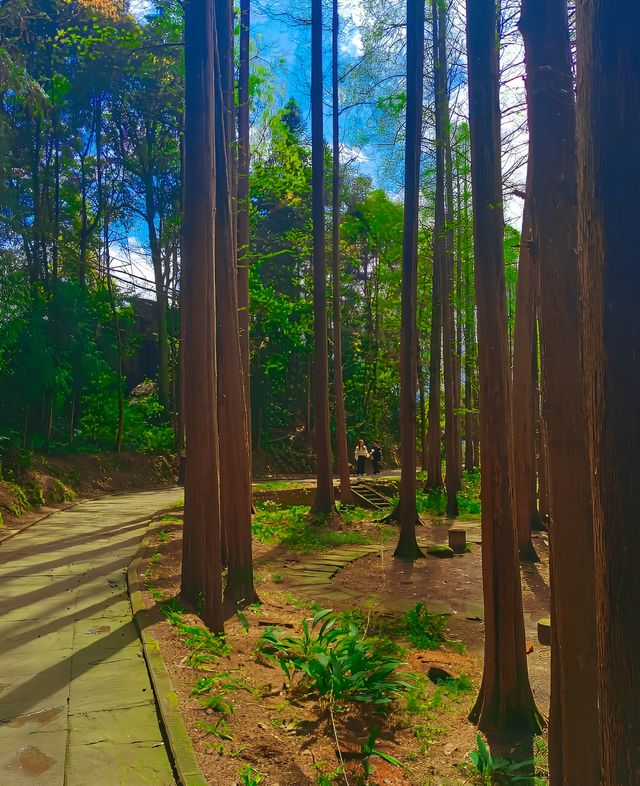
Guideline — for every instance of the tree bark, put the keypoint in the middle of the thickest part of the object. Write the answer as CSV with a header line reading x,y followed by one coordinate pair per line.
x,y
524,391
346,496
324,502
443,243
201,568
235,464
505,702
573,732
608,195
434,457
407,547
243,196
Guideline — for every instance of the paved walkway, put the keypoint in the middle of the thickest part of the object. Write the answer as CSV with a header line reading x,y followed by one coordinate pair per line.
x,y
76,705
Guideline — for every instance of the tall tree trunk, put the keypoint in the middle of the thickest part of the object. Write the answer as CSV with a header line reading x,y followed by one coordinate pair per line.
x,y
573,733
505,702
201,567
243,198
323,503
407,547
341,421
434,457
608,195
443,244
235,464
524,391
470,458
158,275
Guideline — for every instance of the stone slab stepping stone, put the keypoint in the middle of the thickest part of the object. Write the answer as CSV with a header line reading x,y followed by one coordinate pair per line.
x,y
474,610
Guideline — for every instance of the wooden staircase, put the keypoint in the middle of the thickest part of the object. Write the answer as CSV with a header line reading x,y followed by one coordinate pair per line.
x,y
367,497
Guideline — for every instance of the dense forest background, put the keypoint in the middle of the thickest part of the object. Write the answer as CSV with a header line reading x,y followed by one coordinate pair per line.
x,y
91,122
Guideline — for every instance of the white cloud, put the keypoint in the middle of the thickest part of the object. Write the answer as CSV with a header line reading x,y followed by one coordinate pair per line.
x,y
349,155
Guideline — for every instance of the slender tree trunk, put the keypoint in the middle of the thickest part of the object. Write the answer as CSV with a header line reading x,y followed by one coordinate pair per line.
x,y
243,198
470,458
443,244
423,414
324,503
159,280
573,739
346,496
407,547
235,464
201,567
608,196
524,391
505,702
542,466
434,458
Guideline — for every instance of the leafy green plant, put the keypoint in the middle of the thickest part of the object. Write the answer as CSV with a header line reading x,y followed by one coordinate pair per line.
x,y
219,729
335,661
243,620
249,776
424,630
327,778
205,648
497,770
163,536
368,749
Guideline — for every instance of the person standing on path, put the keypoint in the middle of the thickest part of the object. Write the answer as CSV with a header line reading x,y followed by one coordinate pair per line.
x,y
376,457
361,454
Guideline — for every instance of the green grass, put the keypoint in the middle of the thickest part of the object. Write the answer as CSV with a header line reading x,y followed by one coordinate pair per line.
x,y
274,485
292,526
424,707
434,503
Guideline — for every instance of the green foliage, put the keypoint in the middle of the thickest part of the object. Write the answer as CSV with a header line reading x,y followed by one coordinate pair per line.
x,y
424,630
205,648
249,776
434,502
368,749
293,527
497,770
335,662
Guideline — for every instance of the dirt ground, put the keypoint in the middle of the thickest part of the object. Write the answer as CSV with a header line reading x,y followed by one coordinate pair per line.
x,y
289,738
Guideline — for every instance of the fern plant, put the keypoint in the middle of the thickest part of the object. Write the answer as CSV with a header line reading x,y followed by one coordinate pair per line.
x,y
334,660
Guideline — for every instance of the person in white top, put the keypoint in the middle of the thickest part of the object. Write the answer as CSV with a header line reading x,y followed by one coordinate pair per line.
x,y
361,454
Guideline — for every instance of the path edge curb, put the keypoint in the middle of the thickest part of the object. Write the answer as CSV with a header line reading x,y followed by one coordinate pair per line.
x,y
181,750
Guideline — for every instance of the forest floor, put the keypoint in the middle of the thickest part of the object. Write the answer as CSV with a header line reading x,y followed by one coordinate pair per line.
x,y
250,726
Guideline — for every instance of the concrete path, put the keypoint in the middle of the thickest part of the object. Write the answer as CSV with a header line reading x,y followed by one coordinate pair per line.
x,y
76,705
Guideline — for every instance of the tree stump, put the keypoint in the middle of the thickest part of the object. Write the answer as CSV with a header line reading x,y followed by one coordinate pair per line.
x,y
458,540
544,631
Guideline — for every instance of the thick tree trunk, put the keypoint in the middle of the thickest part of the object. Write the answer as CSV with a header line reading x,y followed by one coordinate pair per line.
x,y
407,547
235,462
346,496
524,391
324,502
608,196
201,568
573,733
505,703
